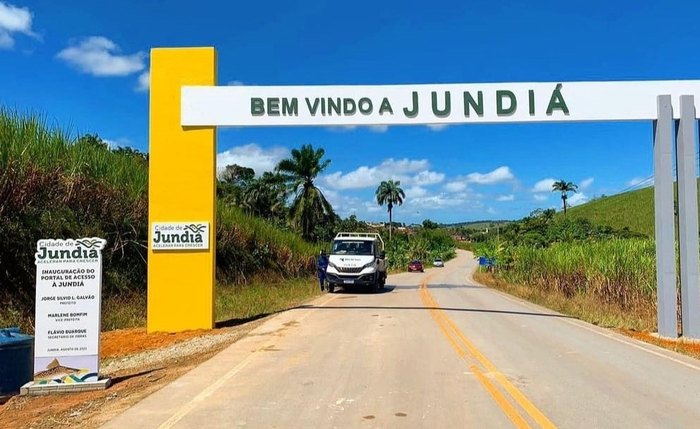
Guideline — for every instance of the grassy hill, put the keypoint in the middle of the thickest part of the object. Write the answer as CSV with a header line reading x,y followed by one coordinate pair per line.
x,y
634,210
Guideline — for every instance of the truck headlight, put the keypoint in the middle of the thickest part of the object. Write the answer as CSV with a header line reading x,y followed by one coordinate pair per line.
x,y
369,265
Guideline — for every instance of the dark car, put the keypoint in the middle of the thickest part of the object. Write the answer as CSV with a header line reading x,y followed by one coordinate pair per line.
x,y
415,265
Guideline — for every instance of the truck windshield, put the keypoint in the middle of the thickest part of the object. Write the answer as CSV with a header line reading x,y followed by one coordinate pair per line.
x,y
344,247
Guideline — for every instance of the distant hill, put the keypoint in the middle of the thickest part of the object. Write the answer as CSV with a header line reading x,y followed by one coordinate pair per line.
x,y
634,210
477,224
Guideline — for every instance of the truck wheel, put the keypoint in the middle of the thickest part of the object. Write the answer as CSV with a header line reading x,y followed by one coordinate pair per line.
x,y
331,288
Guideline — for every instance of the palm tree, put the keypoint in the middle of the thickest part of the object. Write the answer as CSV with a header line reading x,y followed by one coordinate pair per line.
x,y
564,187
309,207
266,196
390,193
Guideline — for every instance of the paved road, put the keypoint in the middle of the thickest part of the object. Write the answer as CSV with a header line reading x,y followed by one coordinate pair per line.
x,y
435,351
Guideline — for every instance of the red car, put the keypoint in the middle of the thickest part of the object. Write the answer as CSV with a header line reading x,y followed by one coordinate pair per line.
x,y
415,265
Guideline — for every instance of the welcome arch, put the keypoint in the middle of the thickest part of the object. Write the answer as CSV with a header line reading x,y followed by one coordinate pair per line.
x,y
186,107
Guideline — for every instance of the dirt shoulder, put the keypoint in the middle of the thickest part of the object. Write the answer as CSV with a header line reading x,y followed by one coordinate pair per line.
x,y
139,364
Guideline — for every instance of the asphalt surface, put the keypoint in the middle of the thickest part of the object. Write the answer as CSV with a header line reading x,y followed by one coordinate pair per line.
x,y
434,350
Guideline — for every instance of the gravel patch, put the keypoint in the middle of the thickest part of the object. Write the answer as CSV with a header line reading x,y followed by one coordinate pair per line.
x,y
198,345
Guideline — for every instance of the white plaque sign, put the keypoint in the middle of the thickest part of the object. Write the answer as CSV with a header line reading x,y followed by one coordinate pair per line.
x,y
68,320
179,235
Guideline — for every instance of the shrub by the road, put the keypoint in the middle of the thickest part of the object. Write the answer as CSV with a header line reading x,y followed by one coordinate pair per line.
x,y
55,186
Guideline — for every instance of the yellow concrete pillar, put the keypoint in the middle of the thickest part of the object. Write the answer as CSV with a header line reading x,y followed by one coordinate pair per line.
x,y
181,188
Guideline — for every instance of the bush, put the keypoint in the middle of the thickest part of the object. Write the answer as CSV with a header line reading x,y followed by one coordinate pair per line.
x,y
53,186
425,245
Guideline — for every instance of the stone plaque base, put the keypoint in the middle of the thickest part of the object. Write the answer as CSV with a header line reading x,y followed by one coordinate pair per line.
x,y
34,389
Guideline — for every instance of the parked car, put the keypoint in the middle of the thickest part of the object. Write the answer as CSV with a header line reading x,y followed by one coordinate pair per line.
x,y
415,265
438,262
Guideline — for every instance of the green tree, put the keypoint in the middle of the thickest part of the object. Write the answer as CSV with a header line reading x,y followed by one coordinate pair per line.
x,y
390,193
310,206
232,182
92,140
266,196
237,175
429,224
564,187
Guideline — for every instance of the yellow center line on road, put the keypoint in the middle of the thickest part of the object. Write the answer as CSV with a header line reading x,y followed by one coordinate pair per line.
x,y
460,342
496,395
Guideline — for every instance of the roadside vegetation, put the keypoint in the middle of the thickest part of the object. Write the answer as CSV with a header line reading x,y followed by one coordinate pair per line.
x,y
633,210
600,274
54,185
424,245
269,230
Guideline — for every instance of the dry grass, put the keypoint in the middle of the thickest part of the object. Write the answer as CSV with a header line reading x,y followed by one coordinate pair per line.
x,y
639,318
638,322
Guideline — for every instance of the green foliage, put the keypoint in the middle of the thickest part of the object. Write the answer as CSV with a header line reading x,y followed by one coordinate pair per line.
x,y
425,245
543,228
53,186
564,187
232,182
310,207
429,224
619,271
26,142
266,197
632,210
389,192
572,256
249,246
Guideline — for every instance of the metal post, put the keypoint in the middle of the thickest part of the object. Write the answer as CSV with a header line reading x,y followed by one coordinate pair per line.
x,y
664,220
688,218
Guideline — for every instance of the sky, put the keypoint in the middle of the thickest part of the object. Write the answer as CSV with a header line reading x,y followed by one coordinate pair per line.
x,y
83,66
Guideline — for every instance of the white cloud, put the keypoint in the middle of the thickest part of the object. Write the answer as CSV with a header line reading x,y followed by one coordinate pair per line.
x,y
253,156
428,178
120,142
455,186
585,183
437,201
408,171
499,175
437,127
373,207
509,197
379,128
14,19
577,199
491,211
341,128
416,191
345,128
144,82
541,197
544,185
99,56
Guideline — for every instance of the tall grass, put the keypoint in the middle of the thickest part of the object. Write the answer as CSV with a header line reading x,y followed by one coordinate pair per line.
x,y
29,142
55,186
248,246
620,272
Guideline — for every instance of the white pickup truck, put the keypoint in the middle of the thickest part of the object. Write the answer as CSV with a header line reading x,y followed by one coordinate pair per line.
x,y
357,259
